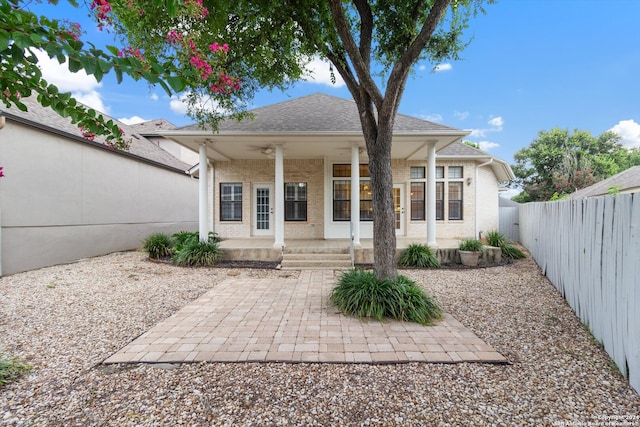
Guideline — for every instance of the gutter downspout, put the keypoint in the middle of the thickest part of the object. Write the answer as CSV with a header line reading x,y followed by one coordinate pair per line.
x,y
475,226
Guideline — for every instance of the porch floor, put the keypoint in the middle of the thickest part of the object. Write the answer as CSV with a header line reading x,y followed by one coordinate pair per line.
x,y
267,243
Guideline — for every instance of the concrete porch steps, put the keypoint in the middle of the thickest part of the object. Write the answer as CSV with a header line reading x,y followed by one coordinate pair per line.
x,y
313,260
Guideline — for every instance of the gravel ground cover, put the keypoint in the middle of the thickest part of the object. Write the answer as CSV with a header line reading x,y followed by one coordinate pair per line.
x,y
65,320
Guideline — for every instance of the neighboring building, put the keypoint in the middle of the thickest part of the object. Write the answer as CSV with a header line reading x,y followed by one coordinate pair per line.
x,y
627,181
289,173
150,129
64,197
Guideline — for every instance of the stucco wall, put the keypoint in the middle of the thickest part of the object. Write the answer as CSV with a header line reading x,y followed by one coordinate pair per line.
x,y
62,200
488,202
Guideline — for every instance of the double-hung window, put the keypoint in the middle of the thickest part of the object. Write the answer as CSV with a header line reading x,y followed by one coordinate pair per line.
x,y
230,201
295,201
417,193
455,192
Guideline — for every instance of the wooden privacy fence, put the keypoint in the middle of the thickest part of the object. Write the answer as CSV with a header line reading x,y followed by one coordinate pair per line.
x,y
590,250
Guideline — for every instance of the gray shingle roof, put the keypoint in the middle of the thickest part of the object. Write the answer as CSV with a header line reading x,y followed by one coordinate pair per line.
x,y
625,180
317,112
49,120
150,127
461,149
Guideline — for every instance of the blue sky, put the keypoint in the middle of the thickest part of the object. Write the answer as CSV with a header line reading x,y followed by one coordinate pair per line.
x,y
532,65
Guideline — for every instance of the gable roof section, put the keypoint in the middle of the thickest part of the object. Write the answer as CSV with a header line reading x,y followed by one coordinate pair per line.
x,y
317,112
151,127
627,181
48,120
460,150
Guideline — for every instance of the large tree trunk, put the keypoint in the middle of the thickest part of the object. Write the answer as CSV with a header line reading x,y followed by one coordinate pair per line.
x,y
384,228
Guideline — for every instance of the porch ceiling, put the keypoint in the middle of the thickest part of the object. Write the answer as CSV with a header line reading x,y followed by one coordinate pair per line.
x,y
309,145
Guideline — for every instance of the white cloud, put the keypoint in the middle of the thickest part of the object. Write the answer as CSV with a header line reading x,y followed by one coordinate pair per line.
x,y
487,145
82,86
629,131
132,120
92,99
178,104
442,67
422,67
461,115
496,121
154,97
320,73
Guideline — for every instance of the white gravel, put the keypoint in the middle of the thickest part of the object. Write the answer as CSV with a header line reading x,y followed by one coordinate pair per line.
x,y
65,320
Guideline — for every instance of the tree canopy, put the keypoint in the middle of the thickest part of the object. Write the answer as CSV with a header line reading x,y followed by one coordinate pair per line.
x,y
23,33
559,162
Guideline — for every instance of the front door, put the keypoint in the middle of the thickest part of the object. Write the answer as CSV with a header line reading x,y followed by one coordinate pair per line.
x,y
262,210
398,206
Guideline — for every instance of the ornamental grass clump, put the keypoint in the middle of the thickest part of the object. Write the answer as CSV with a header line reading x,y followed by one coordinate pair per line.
x,y
196,253
418,255
471,245
158,245
509,250
359,293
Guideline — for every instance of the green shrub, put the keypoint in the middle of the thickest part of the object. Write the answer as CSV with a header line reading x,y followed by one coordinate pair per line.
x,y
497,239
11,369
158,245
513,252
196,253
472,245
418,255
358,293
181,238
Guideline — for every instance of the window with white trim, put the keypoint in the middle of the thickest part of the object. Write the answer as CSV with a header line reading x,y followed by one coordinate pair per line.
x,y
295,201
230,201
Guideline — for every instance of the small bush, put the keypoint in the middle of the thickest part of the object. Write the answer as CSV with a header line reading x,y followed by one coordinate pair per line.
x,y
11,369
158,245
497,239
358,293
181,238
472,245
195,253
513,252
418,255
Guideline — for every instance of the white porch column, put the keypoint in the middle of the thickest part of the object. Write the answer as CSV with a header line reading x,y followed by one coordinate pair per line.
x,y
431,195
279,206
355,192
202,194
211,219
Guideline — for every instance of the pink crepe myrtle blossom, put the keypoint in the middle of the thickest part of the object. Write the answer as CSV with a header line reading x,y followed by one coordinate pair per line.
x,y
215,47
129,51
173,37
102,10
1,173
87,134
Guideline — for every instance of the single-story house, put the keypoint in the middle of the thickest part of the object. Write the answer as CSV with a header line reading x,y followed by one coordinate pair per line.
x,y
627,181
64,197
290,173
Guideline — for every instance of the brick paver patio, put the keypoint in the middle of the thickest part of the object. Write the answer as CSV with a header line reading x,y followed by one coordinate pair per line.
x,y
290,320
